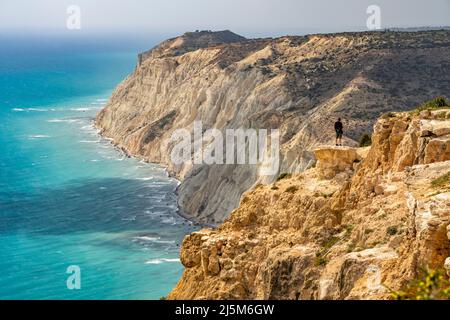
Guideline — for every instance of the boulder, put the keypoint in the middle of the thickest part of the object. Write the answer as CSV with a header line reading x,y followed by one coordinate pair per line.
x,y
333,160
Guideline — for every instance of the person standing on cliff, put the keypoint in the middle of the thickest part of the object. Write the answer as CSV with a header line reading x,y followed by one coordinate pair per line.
x,y
339,128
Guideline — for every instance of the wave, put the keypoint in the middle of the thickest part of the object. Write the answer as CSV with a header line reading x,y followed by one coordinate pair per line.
x,y
33,109
145,179
133,218
170,220
63,120
81,109
153,239
162,260
91,128
76,109
38,136
145,238
89,141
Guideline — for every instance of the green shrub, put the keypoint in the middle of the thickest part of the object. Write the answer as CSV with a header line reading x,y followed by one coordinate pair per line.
x,y
440,102
330,243
436,103
320,261
348,229
291,189
392,231
442,181
365,140
430,285
351,247
388,115
284,176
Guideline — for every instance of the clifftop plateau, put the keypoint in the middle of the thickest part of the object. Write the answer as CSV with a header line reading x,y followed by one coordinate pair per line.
x,y
190,41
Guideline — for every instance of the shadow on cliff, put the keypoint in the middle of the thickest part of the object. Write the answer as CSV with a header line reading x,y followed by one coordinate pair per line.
x,y
104,205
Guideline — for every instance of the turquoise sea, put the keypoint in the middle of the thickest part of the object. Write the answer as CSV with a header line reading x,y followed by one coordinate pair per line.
x,y
67,196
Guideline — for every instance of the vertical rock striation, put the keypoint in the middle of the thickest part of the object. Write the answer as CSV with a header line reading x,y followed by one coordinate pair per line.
x,y
298,85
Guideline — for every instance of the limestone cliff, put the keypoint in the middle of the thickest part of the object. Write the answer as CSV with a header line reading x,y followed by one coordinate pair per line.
x,y
298,85
361,221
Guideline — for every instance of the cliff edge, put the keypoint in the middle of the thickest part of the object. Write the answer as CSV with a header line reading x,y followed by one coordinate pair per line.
x,y
360,222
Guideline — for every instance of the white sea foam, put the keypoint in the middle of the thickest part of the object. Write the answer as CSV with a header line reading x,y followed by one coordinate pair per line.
x,y
35,109
38,136
89,141
147,238
162,260
133,218
80,109
170,220
77,109
155,213
89,128
145,179
154,240
63,120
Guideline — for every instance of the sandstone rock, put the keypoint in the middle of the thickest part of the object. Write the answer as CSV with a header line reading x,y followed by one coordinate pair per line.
x,y
447,266
333,160
330,239
379,190
437,150
390,189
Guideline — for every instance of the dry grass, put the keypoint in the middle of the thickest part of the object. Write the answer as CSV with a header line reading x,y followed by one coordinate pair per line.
x,y
442,181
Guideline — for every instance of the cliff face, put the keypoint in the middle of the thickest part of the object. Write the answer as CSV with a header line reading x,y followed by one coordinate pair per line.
x,y
360,221
298,85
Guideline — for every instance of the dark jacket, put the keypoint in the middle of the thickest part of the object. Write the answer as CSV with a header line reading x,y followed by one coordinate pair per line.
x,y
338,127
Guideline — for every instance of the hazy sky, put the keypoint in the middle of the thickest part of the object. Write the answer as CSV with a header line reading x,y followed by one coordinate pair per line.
x,y
248,17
